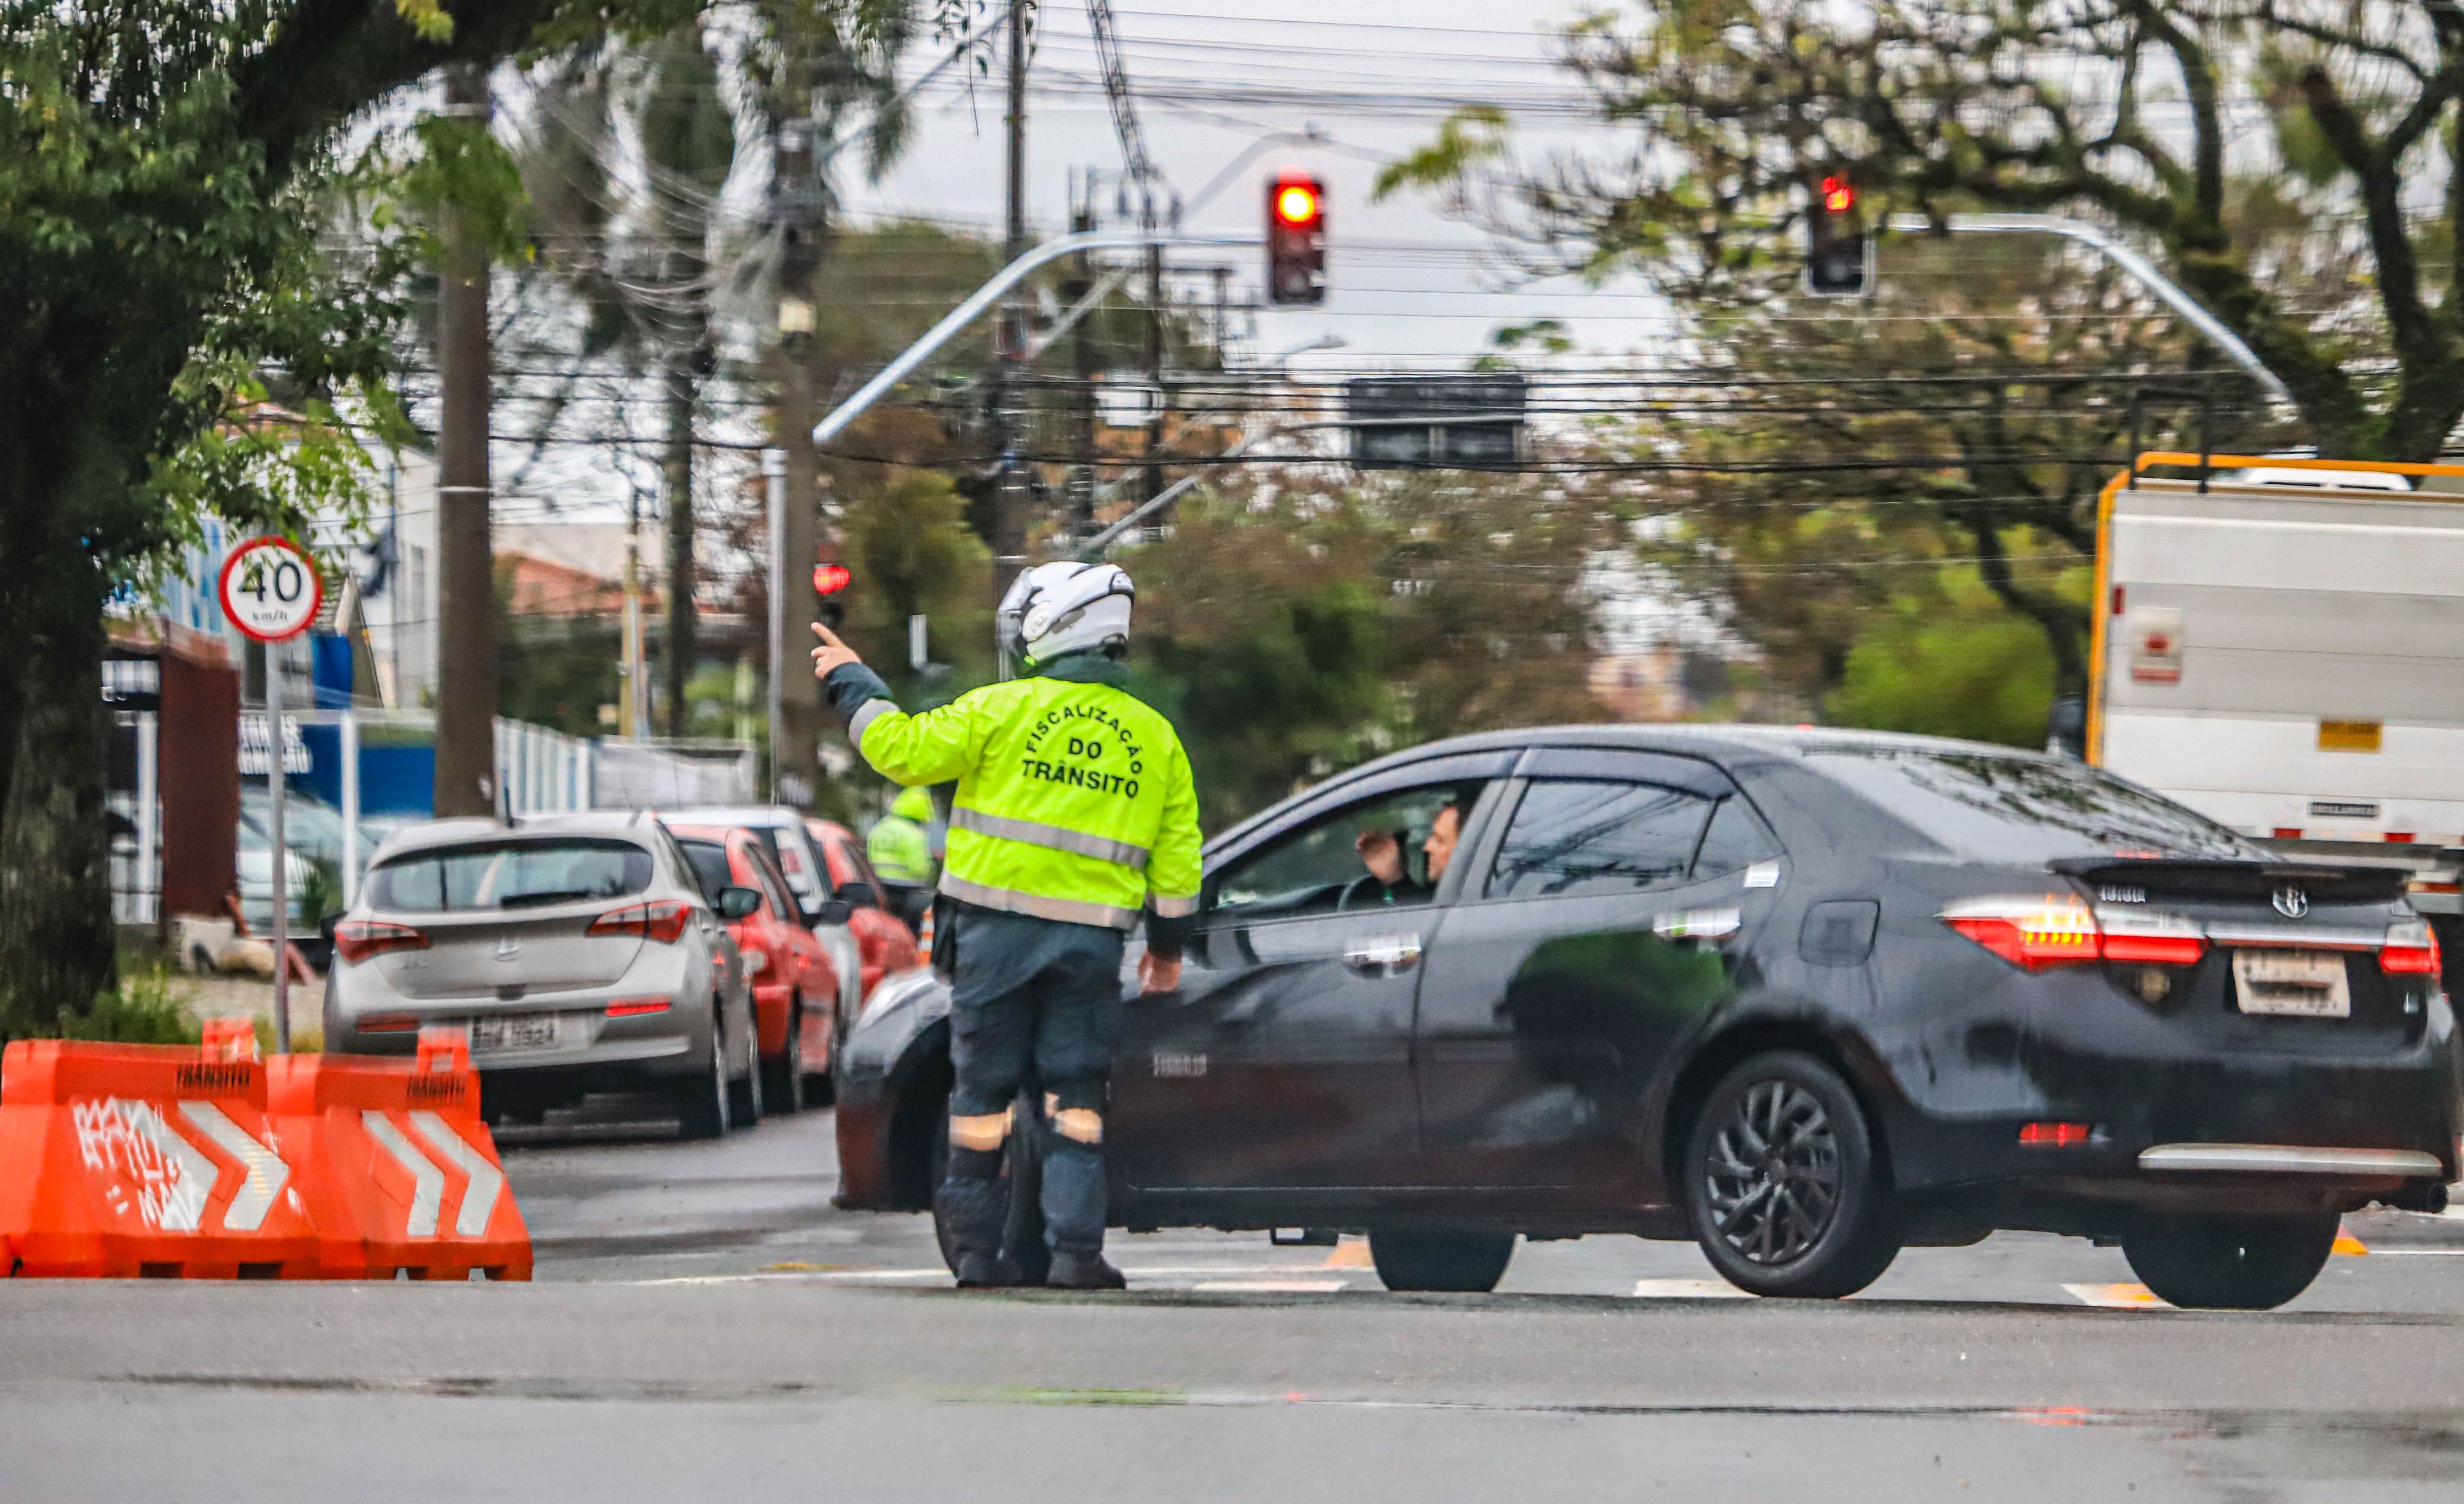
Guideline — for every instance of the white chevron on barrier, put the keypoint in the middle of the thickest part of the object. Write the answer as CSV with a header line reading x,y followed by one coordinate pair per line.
x,y
264,1171
426,1181
485,1180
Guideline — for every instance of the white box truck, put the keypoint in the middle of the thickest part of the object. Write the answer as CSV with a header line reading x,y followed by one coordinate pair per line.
x,y
2280,645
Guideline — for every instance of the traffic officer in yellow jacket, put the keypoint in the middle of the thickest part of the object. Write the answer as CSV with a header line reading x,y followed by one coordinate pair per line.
x,y
1075,815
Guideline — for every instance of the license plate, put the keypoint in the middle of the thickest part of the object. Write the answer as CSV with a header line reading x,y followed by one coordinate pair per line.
x,y
517,1031
2295,984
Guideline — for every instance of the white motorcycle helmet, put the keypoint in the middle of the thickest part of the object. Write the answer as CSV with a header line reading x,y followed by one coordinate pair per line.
x,y
1066,607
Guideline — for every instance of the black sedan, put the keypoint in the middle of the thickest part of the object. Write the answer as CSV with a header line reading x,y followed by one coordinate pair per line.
x,y
1806,997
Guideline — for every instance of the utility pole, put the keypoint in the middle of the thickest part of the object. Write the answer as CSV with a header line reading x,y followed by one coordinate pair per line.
x,y
800,209
1082,370
632,696
682,650
466,628
1009,497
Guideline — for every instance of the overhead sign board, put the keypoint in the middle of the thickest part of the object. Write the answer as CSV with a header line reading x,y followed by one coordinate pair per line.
x,y
1461,423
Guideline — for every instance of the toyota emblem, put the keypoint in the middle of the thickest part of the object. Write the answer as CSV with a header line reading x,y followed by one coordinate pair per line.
x,y
2291,902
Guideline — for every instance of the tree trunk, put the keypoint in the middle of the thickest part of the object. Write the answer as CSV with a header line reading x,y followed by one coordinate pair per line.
x,y
682,649
57,940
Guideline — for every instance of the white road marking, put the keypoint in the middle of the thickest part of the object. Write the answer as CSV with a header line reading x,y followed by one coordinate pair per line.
x,y
264,1171
1271,1286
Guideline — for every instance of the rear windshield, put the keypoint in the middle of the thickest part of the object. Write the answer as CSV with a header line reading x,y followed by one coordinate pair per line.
x,y
2024,810
527,874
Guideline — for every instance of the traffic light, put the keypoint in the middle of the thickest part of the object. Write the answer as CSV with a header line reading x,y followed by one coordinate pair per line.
x,y
1839,263
831,582
1295,239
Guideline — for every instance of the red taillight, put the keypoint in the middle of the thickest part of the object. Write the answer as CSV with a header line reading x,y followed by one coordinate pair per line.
x,y
2412,950
2055,1135
354,940
2052,930
636,1007
2034,933
389,1023
663,921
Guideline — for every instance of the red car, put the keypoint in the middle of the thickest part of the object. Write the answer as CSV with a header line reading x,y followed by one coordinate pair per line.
x,y
881,936
794,984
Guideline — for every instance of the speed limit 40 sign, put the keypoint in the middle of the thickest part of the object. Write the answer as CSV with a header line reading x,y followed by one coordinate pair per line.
x,y
270,589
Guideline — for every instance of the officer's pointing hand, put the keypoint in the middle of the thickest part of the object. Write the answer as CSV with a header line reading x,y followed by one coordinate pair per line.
x,y
832,654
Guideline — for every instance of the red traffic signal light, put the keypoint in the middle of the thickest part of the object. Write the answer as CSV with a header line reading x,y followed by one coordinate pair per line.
x,y
829,579
1839,261
1296,239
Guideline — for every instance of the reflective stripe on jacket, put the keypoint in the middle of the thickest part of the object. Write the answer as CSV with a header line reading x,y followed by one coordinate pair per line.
x,y
1074,797
899,851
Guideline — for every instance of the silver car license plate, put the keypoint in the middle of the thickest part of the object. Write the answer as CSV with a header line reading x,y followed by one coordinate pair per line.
x,y
517,1031
2295,984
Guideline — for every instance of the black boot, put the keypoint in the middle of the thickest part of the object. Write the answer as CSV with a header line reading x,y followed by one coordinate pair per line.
x,y
988,1271
1083,1272
970,1212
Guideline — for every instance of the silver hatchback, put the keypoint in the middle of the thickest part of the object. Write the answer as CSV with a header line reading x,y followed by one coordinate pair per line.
x,y
577,950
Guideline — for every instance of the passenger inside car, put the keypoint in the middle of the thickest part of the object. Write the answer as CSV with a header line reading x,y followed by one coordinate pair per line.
x,y
1390,880
1404,840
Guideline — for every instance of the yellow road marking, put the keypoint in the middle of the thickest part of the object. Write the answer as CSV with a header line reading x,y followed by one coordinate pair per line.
x,y
1351,1252
2124,1296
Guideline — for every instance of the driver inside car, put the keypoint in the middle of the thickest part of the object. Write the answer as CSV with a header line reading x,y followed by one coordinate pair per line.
x,y
1390,881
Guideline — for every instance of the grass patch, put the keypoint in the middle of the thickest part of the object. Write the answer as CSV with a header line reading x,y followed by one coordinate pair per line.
x,y
150,1006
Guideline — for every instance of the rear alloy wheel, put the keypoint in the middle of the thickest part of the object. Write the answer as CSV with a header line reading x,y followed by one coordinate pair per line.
x,y
782,1080
701,1098
1780,1182
1462,1260
2218,1263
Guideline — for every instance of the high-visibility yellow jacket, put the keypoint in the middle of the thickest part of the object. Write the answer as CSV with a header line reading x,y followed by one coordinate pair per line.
x,y
1074,797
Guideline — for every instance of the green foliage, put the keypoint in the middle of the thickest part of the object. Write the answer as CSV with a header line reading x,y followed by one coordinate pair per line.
x,y
460,168
148,1007
1950,661
319,891
1723,112
911,553
1290,634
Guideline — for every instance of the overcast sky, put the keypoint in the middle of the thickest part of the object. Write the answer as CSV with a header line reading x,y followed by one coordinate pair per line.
x,y
1212,78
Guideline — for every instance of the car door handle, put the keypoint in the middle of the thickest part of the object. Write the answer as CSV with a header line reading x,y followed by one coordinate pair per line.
x,y
1698,924
1383,955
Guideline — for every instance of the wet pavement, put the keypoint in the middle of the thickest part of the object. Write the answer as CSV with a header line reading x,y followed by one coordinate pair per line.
x,y
706,1325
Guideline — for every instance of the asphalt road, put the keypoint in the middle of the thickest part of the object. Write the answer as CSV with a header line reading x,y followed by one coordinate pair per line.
x,y
705,1326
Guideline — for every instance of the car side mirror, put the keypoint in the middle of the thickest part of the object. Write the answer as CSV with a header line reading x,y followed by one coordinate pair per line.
x,y
737,903
859,895
834,912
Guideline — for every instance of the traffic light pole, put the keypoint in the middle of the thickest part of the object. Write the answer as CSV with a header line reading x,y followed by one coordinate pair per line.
x,y
956,321
2136,266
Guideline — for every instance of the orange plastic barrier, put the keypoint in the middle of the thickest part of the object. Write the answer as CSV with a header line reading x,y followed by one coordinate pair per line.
x,y
398,1171
123,1160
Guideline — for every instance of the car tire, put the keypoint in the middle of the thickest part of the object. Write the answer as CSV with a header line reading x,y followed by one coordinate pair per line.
x,y
2219,1263
782,1084
1464,1260
744,1095
702,1098
1022,1179
1807,1217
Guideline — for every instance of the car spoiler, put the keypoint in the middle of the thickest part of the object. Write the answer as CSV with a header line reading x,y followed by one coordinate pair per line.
x,y
2228,880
